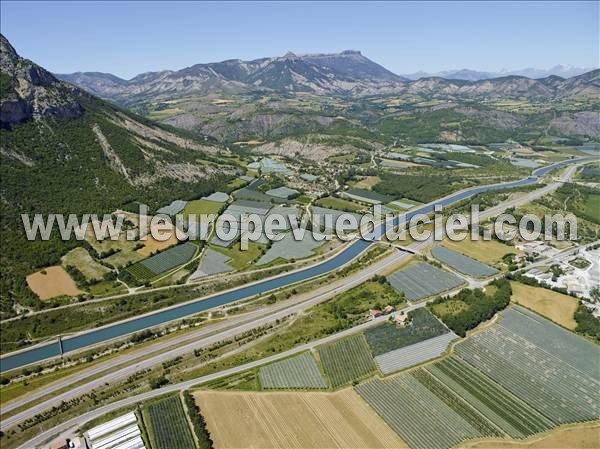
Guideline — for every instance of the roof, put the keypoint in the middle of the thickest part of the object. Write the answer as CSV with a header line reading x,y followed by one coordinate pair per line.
x,y
172,209
282,192
309,177
368,195
217,197
249,207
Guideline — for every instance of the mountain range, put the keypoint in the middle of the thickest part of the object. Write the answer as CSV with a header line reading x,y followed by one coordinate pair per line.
x,y
347,73
564,71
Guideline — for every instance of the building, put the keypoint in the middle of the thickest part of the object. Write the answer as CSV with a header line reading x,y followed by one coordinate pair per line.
x,y
120,433
389,309
401,318
308,177
374,313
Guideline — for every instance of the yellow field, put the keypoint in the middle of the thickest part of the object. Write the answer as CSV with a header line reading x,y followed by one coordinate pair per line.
x,y
293,420
585,436
81,259
556,306
367,182
151,244
249,142
489,252
400,163
51,282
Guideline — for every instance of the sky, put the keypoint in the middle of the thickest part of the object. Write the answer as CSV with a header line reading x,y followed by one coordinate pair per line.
x,y
128,38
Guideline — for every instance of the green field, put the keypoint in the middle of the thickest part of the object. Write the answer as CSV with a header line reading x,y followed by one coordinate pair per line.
x,y
388,336
592,206
201,207
331,202
80,258
346,360
167,424
240,260
507,411
299,372
162,262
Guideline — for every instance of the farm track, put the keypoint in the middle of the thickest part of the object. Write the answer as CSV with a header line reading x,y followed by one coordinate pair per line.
x,y
356,279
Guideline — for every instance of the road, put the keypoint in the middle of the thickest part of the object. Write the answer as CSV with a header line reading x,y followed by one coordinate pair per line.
x,y
120,329
74,423
257,321
157,354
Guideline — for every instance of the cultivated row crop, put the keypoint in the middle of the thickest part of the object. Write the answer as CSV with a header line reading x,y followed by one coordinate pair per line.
x,y
168,425
297,372
346,360
462,263
422,280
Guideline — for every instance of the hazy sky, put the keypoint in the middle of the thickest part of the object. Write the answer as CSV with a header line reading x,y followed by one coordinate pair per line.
x,y
134,37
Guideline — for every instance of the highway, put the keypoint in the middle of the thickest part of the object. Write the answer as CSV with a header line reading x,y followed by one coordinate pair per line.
x,y
115,330
257,320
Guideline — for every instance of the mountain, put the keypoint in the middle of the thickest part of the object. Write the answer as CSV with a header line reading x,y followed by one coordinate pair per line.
x,y
462,74
550,88
66,151
30,91
97,83
348,72
563,71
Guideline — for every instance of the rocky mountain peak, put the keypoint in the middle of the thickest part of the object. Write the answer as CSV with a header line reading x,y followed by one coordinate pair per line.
x,y
8,55
29,91
290,55
351,52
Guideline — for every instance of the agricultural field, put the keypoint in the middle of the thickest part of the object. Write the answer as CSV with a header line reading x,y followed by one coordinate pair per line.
x,y
152,245
403,204
590,206
294,420
421,280
388,337
407,356
80,258
52,282
462,263
331,202
163,262
420,417
556,306
174,208
510,414
562,344
213,262
323,217
562,392
299,372
201,207
367,182
346,360
584,436
125,250
499,383
392,163
288,248
238,259
367,196
167,424
488,252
